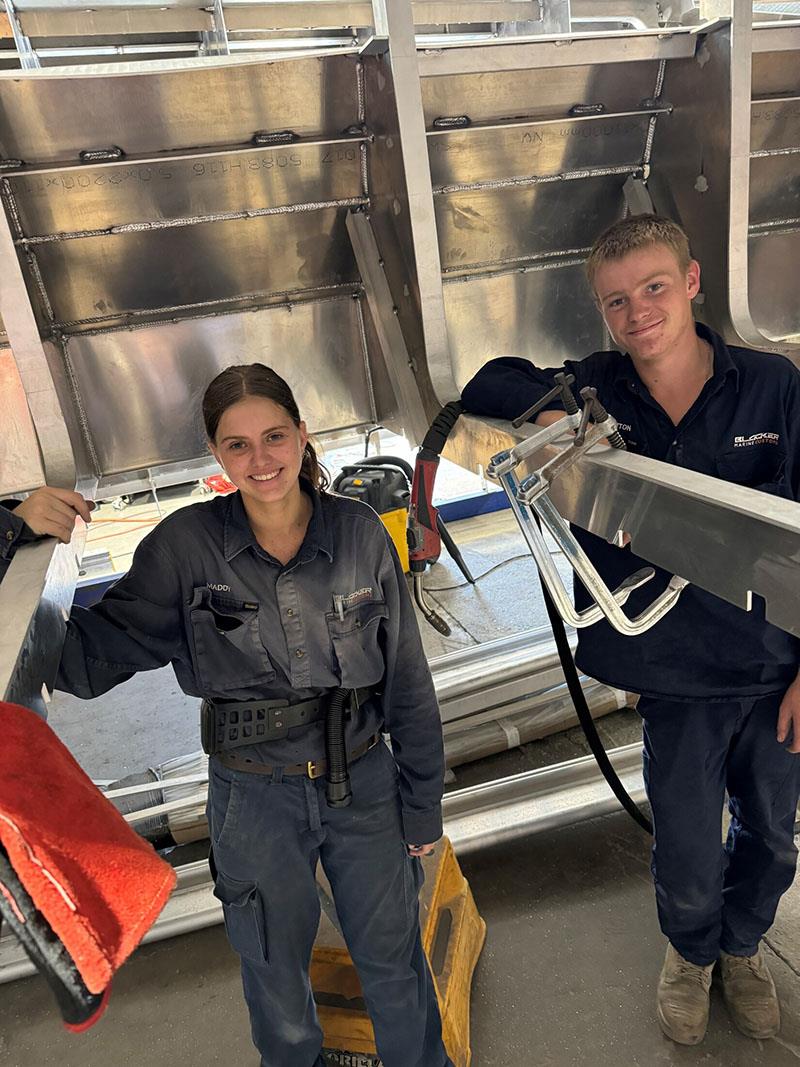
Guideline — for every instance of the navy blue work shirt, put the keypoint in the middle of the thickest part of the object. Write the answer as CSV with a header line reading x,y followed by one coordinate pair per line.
x,y
236,624
13,533
744,427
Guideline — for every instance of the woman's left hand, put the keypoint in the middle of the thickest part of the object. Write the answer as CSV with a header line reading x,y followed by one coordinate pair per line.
x,y
421,850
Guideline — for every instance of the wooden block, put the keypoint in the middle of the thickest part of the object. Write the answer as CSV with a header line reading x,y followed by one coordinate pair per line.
x,y
5,26
452,936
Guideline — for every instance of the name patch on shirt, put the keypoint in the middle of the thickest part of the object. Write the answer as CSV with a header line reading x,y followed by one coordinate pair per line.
x,y
218,587
756,439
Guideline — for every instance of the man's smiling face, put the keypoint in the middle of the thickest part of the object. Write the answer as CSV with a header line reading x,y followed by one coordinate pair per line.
x,y
645,300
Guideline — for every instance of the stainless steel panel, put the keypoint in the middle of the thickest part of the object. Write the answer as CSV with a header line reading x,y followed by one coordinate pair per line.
x,y
141,389
774,188
113,21
335,13
495,227
647,12
91,198
546,316
690,175
775,73
546,93
20,464
776,123
775,283
775,37
481,155
560,51
220,260
727,539
54,116
152,19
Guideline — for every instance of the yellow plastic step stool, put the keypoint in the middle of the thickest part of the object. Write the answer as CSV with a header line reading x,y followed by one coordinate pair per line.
x,y
452,935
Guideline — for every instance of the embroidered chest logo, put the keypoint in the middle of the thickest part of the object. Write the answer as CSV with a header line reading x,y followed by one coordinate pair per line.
x,y
218,587
356,597
624,426
342,602
756,439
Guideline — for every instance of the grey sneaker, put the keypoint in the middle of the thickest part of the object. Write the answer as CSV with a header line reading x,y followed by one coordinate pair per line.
x,y
750,994
682,1000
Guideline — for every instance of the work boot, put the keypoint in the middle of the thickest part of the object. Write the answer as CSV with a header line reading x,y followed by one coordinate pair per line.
x,y
682,998
750,994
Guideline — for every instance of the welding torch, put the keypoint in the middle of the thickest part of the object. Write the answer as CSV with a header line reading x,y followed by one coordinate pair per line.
x,y
426,528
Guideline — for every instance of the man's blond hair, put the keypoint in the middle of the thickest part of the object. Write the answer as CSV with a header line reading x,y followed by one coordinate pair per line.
x,y
633,233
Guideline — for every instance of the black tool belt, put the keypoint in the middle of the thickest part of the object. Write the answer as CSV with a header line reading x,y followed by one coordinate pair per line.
x,y
229,724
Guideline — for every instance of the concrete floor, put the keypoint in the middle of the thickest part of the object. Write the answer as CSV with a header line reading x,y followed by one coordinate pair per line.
x,y
566,977
573,949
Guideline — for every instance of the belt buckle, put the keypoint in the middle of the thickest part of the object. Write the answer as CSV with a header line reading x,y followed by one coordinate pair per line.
x,y
313,769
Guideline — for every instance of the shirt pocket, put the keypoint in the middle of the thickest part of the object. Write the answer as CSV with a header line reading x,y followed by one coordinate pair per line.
x,y
761,467
228,648
356,651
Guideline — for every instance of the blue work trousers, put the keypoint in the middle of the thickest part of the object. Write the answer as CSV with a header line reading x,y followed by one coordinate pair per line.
x,y
267,834
711,896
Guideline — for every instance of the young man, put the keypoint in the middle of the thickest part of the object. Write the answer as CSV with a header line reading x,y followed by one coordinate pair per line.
x,y
720,693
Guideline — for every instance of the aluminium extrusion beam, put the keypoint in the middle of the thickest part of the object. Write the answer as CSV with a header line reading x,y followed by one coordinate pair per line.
x,y
387,325
727,539
558,50
508,809
395,18
35,597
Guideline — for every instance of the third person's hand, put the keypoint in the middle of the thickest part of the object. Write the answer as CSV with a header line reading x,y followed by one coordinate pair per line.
x,y
52,512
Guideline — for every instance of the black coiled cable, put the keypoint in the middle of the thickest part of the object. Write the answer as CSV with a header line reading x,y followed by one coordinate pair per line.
x,y
337,783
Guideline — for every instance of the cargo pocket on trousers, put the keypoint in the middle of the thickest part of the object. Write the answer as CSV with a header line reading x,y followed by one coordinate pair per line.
x,y
245,922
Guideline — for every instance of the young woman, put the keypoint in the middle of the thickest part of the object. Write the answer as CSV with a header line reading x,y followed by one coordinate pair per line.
x,y
264,602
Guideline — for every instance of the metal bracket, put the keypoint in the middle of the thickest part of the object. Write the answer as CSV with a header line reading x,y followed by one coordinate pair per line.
x,y
384,317
215,42
28,58
637,197
533,508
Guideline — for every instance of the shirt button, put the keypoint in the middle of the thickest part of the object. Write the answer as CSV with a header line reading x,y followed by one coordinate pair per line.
x,y
300,652
290,611
9,535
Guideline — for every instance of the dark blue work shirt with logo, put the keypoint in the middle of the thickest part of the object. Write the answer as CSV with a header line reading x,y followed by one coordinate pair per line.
x,y
744,428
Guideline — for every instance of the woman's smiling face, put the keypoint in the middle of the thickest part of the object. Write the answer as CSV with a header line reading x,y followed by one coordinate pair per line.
x,y
260,449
